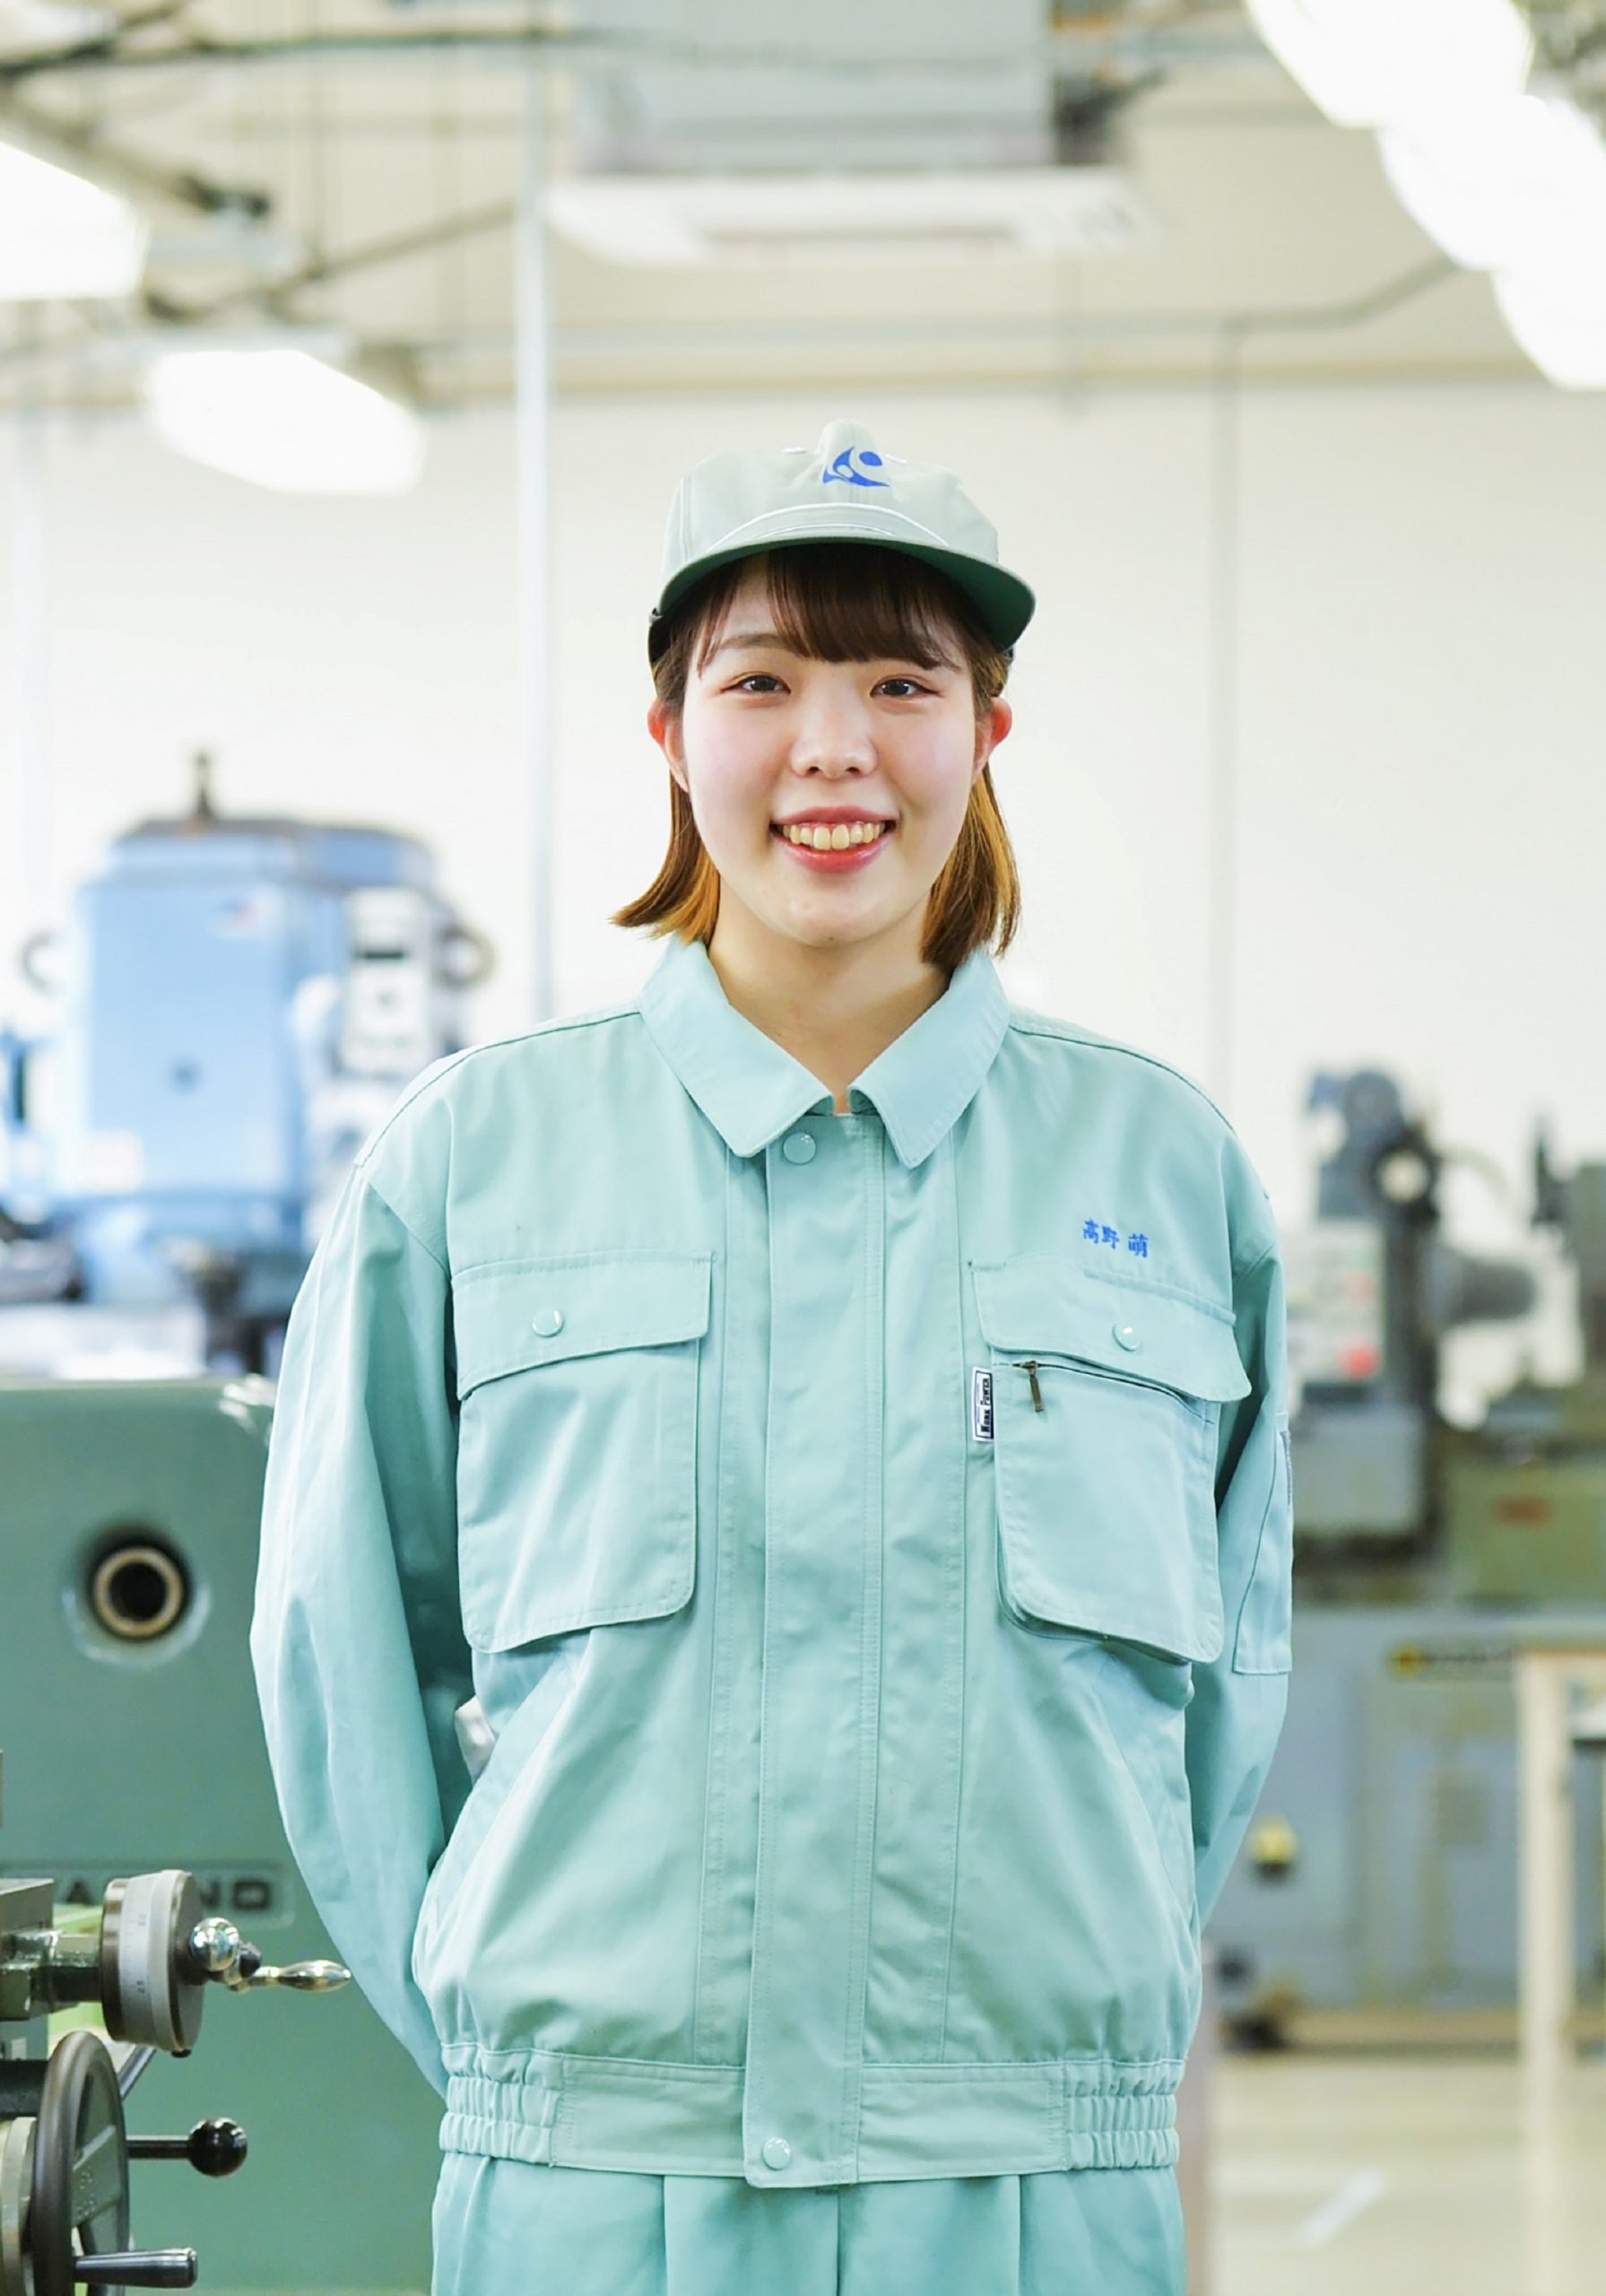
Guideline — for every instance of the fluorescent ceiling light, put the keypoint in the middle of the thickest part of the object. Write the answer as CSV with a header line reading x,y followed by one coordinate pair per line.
x,y
61,237
754,222
33,24
1398,62
1520,188
1504,182
117,351
1563,332
283,420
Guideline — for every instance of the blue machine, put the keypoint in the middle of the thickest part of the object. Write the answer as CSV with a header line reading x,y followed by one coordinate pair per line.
x,y
243,1001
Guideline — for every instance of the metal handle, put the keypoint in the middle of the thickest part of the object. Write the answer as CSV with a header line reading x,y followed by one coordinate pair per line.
x,y
218,1953
303,1976
215,2147
138,2268
218,1950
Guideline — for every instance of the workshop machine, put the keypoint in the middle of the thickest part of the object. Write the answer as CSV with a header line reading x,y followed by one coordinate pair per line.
x,y
241,1002
132,1980
1380,1874
128,1523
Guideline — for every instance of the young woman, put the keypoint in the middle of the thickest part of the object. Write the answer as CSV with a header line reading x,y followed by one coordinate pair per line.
x,y
835,1422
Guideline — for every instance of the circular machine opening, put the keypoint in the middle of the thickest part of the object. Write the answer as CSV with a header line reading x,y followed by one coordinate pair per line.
x,y
138,1588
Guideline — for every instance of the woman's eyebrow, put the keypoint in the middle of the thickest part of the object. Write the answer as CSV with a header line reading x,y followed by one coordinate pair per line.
x,y
742,637
746,638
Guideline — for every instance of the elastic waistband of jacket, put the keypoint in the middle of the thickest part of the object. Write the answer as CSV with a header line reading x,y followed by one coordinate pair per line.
x,y
913,2121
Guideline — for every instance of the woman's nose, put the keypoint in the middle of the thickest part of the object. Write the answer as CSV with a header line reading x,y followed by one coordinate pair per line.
x,y
832,736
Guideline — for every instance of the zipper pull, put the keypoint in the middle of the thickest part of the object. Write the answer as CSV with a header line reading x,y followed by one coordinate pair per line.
x,y
1030,1369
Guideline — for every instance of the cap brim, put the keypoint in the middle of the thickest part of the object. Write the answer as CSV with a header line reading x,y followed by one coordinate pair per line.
x,y
1004,602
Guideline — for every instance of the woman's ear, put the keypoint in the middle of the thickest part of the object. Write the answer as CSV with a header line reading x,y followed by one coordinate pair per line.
x,y
663,724
991,730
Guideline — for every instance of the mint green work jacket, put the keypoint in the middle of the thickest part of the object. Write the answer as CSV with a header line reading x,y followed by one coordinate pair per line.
x,y
868,1538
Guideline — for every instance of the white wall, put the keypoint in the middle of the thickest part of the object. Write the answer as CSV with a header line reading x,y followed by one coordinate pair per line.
x,y
1423,806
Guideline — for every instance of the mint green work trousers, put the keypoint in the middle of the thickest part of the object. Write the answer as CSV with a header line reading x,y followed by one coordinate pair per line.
x,y
507,2227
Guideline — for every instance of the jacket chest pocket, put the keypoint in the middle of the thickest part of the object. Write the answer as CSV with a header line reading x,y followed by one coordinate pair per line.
x,y
1106,1406
577,1441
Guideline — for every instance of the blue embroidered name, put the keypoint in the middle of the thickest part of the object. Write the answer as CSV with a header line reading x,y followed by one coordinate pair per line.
x,y
1095,1231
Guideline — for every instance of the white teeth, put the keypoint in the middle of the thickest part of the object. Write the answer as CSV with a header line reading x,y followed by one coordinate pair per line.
x,y
835,838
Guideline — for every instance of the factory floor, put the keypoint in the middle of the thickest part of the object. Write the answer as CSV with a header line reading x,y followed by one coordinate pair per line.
x,y
1352,2175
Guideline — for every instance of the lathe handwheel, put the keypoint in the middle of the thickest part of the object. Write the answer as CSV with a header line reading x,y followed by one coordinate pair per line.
x,y
79,2165
151,1992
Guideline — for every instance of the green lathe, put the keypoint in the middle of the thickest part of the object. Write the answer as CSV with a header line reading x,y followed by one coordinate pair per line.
x,y
133,1759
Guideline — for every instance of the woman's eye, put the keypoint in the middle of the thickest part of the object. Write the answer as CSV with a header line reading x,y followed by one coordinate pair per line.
x,y
908,686
760,682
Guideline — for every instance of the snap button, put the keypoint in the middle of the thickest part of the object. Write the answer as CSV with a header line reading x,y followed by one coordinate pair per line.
x,y
1127,1336
547,1322
798,1147
777,2153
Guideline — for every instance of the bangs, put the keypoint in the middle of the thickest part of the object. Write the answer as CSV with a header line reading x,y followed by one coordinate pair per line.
x,y
852,601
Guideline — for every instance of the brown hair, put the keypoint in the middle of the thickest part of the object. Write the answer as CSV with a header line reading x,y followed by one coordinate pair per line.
x,y
845,602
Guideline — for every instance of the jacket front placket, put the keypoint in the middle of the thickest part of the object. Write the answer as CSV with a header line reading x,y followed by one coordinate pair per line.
x,y
821,1650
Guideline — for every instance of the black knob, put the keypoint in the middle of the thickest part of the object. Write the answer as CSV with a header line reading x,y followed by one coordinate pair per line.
x,y
215,2147
250,1958
140,2268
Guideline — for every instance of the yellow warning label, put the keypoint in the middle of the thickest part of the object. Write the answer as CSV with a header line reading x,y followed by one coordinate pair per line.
x,y
1417,1658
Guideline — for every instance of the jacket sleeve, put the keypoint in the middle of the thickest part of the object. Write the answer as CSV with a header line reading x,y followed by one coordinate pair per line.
x,y
1236,1711
355,1639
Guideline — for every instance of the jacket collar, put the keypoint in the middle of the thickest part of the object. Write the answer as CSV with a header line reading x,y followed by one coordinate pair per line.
x,y
751,1089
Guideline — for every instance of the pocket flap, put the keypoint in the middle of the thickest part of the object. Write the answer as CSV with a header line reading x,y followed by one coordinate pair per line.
x,y
503,1314
1050,1306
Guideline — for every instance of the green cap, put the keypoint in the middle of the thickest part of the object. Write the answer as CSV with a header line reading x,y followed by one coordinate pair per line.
x,y
843,488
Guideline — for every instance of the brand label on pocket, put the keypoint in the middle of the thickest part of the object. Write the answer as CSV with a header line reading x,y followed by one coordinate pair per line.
x,y
981,1403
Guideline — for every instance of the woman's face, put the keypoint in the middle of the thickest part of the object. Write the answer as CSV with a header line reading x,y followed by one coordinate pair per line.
x,y
770,744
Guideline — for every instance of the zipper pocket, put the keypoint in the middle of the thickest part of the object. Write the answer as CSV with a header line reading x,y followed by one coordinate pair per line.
x,y
1032,1364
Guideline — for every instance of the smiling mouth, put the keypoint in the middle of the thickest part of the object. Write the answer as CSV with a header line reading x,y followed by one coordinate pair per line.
x,y
825,837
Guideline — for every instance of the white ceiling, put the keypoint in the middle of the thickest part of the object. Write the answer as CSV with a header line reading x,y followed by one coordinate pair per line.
x,y
384,141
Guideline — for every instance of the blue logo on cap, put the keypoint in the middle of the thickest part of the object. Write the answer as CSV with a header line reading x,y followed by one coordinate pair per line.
x,y
843,468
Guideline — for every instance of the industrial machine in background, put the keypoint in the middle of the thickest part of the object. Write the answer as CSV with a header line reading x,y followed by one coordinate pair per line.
x,y
138,1966
128,1521
242,1000
1380,1874
1373,1289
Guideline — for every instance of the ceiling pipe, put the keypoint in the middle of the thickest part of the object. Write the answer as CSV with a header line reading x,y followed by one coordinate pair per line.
x,y
1221,41
111,168
1318,318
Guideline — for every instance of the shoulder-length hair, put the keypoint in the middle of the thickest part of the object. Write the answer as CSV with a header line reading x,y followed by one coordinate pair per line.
x,y
845,602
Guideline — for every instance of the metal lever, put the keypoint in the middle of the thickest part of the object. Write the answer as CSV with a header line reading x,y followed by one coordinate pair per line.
x,y
131,2067
300,1976
139,2268
215,2147
218,1950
